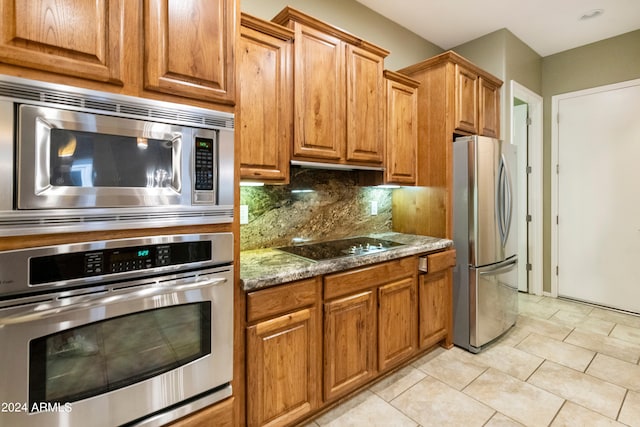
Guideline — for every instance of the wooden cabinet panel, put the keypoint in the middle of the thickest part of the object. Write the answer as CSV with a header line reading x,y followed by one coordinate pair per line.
x,y
401,119
397,320
282,368
265,100
435,308
466,109
269,302
189,47
218,415
349,343
489,114
81,38
319,95
364,106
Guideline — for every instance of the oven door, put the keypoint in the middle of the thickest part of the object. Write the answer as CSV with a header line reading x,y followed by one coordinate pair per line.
x,y
130,353
70,160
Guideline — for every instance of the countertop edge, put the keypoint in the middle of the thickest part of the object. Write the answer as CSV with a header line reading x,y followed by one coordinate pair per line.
x,y
294,268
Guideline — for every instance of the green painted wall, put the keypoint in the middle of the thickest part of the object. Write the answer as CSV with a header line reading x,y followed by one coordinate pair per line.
x,y
507,57
406,47
605,62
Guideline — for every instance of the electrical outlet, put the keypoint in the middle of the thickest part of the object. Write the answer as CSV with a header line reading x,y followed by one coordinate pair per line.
x,y
374,207
244,214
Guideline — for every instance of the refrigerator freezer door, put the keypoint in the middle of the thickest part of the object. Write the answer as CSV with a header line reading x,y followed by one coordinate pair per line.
x,y
493,301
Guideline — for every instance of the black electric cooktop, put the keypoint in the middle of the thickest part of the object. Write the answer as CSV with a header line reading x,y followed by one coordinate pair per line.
x,y
341,248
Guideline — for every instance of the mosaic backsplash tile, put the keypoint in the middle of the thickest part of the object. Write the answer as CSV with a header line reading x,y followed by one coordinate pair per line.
x,y
317,205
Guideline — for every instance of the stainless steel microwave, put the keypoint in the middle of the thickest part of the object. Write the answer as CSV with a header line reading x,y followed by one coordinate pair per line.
x,y
77,159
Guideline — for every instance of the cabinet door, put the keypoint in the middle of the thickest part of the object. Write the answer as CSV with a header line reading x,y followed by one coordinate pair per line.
x,y
401,133
489,114
349,343
364,106
265,103
466,102
319,95
80,38
282,368
435,308
397,319
189,48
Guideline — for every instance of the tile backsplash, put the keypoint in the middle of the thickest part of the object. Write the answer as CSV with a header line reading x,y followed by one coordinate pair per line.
x,y
317,205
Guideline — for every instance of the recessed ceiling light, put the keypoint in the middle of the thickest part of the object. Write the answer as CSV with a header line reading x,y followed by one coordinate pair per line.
x,y
594,13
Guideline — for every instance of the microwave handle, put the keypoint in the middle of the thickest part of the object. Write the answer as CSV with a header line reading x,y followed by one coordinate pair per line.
x,y
64,305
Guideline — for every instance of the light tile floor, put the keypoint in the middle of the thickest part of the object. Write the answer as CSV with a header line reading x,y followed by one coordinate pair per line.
x,y
563,364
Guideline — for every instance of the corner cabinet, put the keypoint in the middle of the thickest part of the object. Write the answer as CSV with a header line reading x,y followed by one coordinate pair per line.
x,y
265,100
189,48
401,129
76,38
283,353
338,93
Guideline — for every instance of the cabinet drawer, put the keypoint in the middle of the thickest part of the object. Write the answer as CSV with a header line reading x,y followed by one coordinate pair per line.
x,y
351,281
438,261
282,299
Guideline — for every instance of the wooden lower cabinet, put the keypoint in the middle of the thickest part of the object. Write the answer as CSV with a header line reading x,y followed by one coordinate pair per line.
x,y
283,362
397,320
436,300
349,343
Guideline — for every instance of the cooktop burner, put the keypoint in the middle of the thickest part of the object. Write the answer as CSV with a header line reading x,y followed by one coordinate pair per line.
x,y
341,248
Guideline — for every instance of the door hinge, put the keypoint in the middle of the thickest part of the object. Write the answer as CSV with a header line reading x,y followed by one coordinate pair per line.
x,y
529,267
529,121
529,169
557,169
557,220
529,218
557,270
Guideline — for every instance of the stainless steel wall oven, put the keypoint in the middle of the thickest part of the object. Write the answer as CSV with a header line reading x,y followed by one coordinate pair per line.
x,y
75,159
115,332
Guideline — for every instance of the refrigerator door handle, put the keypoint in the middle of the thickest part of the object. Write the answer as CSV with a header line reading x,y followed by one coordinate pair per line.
x,y
504,200
499,268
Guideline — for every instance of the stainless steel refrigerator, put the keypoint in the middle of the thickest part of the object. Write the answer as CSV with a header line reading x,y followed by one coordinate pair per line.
x,y
485,288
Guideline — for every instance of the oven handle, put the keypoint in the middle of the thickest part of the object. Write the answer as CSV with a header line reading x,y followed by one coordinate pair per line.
x,y
48,309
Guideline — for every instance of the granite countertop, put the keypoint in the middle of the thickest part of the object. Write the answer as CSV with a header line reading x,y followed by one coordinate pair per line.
x,y
262,268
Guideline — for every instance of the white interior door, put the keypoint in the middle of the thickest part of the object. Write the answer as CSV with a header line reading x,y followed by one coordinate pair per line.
x,y
520,136
598,199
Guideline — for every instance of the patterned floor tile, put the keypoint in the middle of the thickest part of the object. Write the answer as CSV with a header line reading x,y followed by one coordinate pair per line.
x,y
572,415
616,371
569,355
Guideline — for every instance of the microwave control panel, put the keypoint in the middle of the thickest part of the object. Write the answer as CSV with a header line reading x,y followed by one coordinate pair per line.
x,y
203,164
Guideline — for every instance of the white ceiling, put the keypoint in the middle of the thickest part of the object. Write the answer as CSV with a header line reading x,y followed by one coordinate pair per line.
x,y
547,26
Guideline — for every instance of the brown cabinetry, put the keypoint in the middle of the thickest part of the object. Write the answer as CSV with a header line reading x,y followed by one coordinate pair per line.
x,y
71,37
283,344
265,100
189,48
164,49
370,317
401,129
455,98
338,93
436,300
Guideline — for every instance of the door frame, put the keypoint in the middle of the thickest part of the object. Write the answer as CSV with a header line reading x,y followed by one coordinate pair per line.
x,y
534,196
555,101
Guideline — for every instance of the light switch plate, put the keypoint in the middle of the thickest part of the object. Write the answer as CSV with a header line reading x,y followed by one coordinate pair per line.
x,y
244,214
374,207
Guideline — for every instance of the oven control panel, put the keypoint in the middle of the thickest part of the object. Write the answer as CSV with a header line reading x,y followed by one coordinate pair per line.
x,y
204,164
104,262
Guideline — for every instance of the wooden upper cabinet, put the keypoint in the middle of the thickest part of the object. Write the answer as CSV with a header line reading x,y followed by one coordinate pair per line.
x,y
189,47
365,105
79,38
489,114
265,100
319,95
466,100
401,129
338,93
